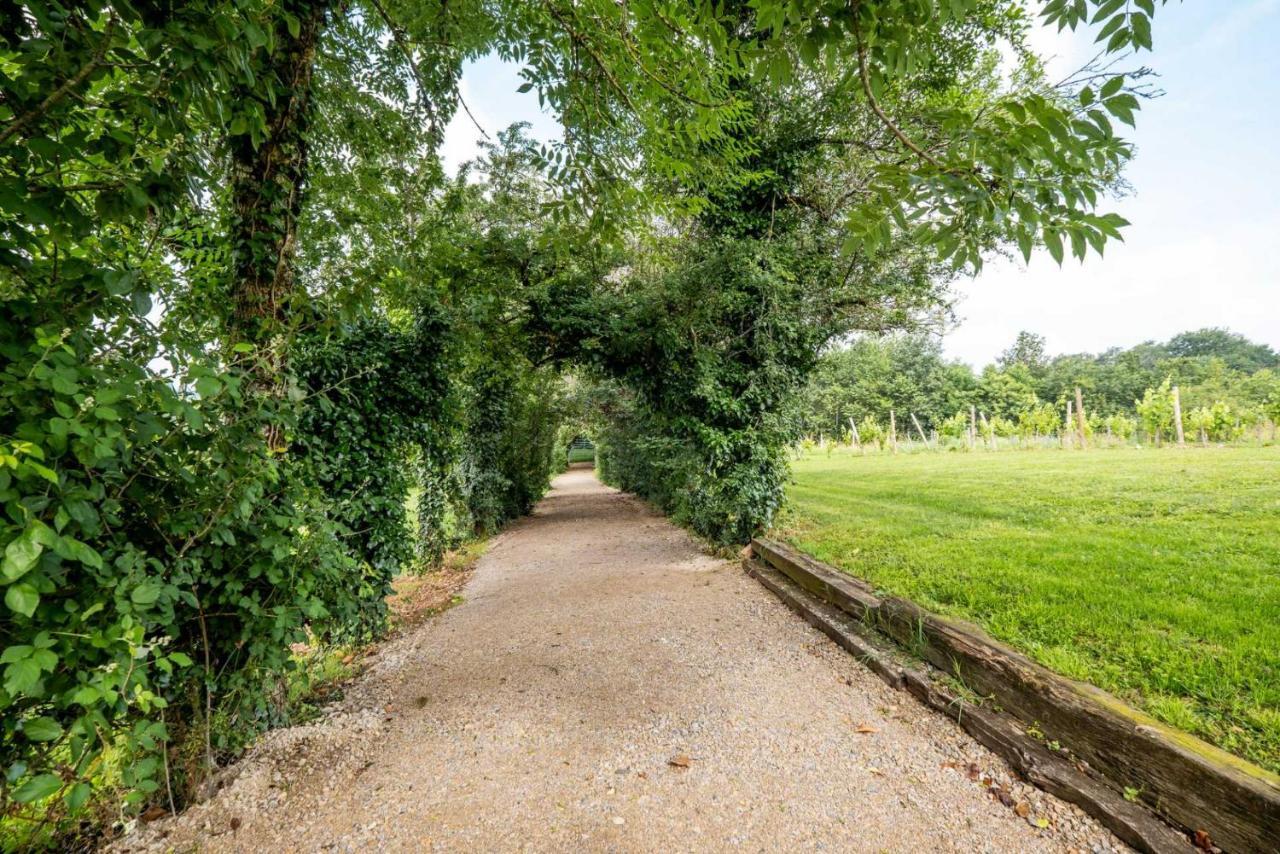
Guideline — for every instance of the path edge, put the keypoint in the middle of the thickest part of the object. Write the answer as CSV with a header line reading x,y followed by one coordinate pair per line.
x,y
1216,798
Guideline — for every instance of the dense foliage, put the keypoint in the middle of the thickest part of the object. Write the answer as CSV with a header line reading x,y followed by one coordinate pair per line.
x,y
244,312
1227,385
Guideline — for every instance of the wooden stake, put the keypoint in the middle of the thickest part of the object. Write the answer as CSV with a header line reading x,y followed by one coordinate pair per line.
x,y
919,429
1080,419
893,432
973,426
853,431
1066,428
1177,416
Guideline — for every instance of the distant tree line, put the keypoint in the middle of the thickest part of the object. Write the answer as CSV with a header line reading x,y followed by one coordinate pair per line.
x,y
1228,385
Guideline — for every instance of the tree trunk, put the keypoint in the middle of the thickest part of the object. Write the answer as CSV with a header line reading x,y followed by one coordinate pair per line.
x,y
268,174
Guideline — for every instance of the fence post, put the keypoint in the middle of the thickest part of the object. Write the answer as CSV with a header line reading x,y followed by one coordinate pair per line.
x,y
973,427
893,432
1067,428
1177,416
1080,419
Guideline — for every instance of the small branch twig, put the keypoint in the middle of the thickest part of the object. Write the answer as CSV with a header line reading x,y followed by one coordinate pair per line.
x,y
70,83
880,113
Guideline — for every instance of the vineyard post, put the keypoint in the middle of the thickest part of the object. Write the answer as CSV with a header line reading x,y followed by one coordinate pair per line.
x,y
893,432
1080,419
1177,416
1067,429
919,430
973,427
853,433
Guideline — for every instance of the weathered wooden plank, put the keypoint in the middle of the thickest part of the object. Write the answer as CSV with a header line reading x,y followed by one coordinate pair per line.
x,y
849,594
831,621
999,733
1185,779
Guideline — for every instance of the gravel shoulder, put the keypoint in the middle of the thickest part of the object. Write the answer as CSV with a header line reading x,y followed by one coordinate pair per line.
x,y
606,685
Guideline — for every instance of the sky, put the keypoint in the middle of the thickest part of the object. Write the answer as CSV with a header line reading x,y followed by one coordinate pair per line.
x,y
1203,248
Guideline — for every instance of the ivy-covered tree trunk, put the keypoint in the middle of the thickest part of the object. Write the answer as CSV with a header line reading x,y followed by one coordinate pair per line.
x,y
268,148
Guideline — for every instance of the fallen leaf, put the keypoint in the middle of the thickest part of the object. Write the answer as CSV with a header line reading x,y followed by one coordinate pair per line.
x,y
1042,822
875,771
1022,808
1202,840
235,823
679,761
153,812
865,729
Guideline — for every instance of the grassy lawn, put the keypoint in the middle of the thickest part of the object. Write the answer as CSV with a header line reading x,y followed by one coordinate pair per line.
x,y
1154,574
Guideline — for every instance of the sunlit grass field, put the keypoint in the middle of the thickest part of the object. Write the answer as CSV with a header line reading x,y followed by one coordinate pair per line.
x,y
1152,573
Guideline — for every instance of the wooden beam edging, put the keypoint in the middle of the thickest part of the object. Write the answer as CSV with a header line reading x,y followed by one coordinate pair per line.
x,y
1190,783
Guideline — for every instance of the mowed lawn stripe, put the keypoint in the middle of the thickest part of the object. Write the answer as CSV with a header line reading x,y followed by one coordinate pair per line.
x,y
1153,573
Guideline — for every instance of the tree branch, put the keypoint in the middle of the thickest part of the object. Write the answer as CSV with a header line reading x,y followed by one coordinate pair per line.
x,y
880,114
58,94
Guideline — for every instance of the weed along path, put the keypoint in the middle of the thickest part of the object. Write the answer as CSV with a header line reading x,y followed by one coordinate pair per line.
x,y
606,685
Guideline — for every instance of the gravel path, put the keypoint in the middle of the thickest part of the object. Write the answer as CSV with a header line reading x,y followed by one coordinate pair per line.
x,y
597,646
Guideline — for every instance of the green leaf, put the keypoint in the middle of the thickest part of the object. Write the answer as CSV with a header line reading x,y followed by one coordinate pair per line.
x,y
145,593
208,386
37,788
86,695
1053,242
21,676
22,598
78,795
140,301
41,729
22,553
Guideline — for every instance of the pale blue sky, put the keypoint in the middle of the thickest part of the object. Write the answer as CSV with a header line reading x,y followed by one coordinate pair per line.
x,y
1204,246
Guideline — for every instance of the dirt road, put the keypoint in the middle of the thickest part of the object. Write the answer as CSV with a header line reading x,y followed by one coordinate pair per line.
x,y
606,685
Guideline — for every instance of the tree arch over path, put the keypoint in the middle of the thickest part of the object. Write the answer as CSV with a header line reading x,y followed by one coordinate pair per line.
x,y
239,292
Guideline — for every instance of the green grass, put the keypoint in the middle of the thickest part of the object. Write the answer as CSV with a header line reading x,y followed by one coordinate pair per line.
x,y
1154,574
582,455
